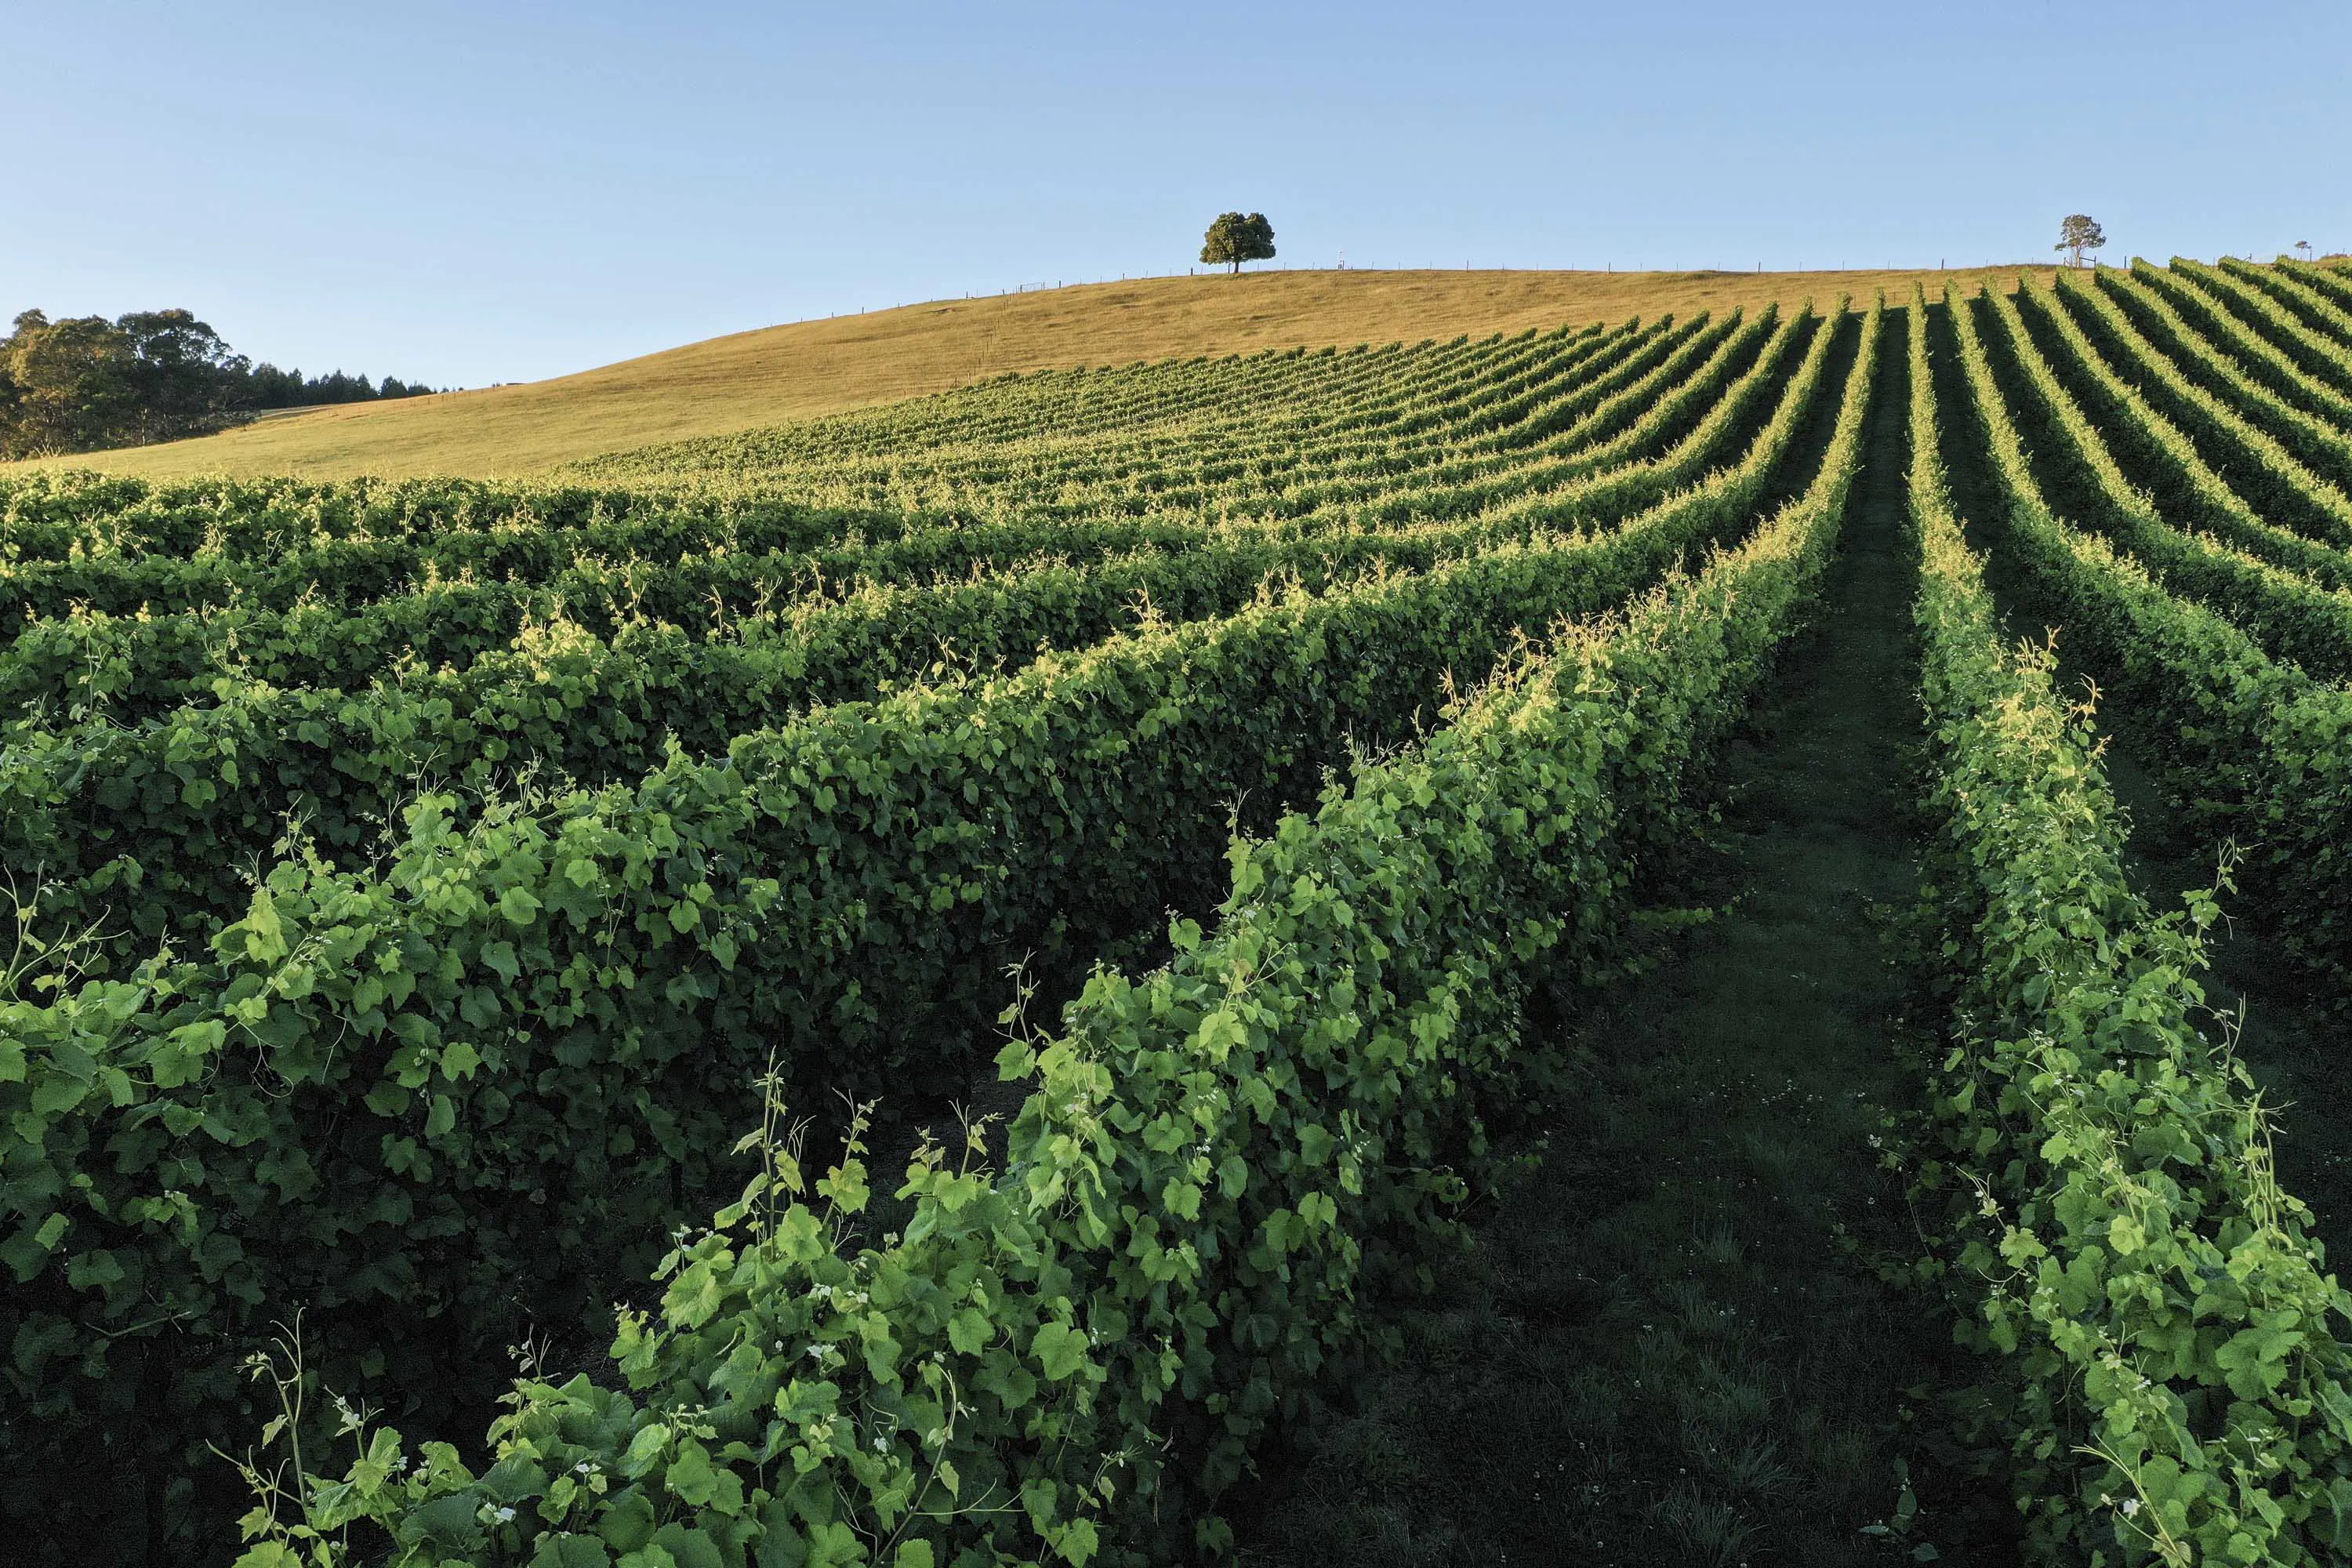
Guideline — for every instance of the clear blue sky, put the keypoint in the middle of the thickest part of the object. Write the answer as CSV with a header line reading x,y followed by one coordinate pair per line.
x,y
493,192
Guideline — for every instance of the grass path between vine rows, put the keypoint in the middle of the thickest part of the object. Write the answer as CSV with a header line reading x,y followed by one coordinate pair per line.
x,y
2288,1039
1671,1346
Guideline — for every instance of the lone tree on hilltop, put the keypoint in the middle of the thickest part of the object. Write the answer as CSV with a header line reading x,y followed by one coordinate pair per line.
x,y
1235,239
2080,232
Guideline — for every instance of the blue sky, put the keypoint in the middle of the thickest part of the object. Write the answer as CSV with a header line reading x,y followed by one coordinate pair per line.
x,y
486,191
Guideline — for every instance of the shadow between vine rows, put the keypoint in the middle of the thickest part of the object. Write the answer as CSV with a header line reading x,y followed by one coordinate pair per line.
x,y
2286,1033
1670,1345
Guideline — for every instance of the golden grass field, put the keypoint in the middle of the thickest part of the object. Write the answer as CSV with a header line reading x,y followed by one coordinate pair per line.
x,y
777,375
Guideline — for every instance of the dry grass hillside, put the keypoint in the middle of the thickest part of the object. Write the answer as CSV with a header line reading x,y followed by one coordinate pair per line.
x,y
781,374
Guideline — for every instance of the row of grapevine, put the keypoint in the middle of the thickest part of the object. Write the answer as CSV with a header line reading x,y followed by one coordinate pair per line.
x,y
2099,1169
1124,407
66,517
2254,746
2192,491
2299,619
2321,299
2214,358
471,1060
1219,1158
595,590
1660,354
2236,668
1267,383
2168,475
1386,430
1414,412
1619,409
157,821
52,516
2274,479
2310,356
865,631
98,650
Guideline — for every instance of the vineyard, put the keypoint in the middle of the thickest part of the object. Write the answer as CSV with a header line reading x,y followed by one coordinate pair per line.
x,y
1228,796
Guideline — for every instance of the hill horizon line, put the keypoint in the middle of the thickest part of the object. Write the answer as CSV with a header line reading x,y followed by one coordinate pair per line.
x,y
788,372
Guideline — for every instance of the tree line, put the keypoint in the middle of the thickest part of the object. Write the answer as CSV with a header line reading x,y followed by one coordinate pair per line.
x,y
84,382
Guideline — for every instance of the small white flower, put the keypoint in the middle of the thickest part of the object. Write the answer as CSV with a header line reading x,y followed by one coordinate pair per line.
x,y
2131,1505
584,1467
881,1444
506,1516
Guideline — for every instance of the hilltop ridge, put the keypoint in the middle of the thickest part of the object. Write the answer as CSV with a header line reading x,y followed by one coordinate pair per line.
x,y
775,374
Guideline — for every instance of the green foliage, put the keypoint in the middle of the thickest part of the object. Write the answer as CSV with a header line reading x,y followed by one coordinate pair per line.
x,y
2077,233
2225,330
1215,1160
705,578
498,1051
2102,1176
2300,618
2236,424
1326,442
2192,493
86,383
2252,746
1234,240
2294,338
411,877
156,824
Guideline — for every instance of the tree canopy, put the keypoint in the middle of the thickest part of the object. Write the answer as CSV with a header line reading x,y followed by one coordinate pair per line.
x,y
2077,233
1234,240
84,382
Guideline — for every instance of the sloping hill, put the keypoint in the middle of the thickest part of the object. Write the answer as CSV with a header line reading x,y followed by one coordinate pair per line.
x,y
781,373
